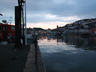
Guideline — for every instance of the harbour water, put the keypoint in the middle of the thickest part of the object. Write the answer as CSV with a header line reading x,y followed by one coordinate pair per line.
x,y
68,54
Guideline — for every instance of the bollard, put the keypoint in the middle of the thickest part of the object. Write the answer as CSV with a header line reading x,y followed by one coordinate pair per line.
x,y
35,42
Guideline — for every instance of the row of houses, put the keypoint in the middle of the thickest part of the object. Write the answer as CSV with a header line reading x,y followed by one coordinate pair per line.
x,y
81,27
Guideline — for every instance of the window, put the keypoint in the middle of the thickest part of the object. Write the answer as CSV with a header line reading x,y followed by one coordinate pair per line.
x,y
12,28
4,28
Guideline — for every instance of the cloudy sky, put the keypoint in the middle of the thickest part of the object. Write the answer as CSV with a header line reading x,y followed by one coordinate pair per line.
x,y
50,13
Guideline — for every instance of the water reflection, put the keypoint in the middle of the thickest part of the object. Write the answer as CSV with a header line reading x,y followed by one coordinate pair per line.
x,y
52,46
69,54
79,42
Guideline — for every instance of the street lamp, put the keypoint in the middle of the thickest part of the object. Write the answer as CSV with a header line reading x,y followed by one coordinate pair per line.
x,y
20,22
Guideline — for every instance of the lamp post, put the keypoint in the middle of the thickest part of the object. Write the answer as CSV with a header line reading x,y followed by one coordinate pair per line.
x,y
20,23
25,25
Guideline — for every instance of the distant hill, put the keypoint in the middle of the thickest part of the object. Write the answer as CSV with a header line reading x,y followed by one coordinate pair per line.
x,y
38,29
35,29
83,21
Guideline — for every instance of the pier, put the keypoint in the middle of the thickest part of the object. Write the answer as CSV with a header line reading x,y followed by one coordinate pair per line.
x,y
20,59
34,61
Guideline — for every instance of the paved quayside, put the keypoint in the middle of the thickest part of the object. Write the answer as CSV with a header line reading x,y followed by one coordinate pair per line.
x,y
34,64
20,59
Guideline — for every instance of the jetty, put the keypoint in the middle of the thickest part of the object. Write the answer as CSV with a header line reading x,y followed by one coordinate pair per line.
x,y
24,59
34,61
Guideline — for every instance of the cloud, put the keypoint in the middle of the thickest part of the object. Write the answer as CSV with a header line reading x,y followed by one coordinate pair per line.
x,y
50,18
63,7
55,7
46,25
52,10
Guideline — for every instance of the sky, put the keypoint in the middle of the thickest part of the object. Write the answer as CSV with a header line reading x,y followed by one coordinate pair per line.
x,y
50,13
